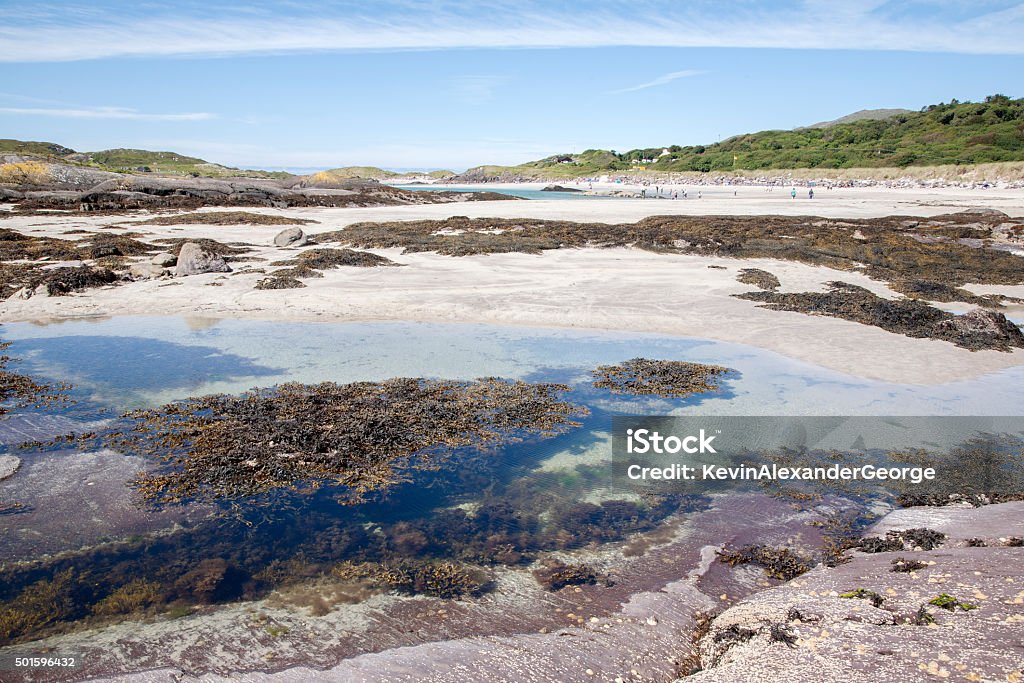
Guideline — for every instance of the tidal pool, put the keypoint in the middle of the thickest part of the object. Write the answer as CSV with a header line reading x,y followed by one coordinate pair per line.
x,y
83,535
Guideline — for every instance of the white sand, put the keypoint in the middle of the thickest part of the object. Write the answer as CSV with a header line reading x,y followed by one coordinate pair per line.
x,y
615,289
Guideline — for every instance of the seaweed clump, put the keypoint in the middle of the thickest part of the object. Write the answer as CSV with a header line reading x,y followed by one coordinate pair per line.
x,y
278,282
948,602
353,435
864,594
312,263
323,258
446,580
931,290
557,575
904,566
21,391
897,541
983,470
225,218
976,330
778,563
64,281
761,279
669,378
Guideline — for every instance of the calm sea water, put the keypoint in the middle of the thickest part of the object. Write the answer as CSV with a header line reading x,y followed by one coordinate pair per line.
x,y
515,192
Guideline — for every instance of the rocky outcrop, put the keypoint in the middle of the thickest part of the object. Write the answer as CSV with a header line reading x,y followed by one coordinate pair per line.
x,y
957,615
125,192
290,237
982,328
559,188
194,260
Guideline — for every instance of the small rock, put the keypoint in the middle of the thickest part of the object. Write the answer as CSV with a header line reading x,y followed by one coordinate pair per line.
x,y
164,259
193,260
146,270
9,464
290,237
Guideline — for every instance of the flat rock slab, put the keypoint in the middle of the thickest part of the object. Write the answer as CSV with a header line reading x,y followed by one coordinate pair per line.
x,y
958,523
848,639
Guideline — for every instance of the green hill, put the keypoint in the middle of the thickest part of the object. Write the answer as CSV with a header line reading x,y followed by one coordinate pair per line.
x,y
8,146
369,172
954,133
863,115
129,160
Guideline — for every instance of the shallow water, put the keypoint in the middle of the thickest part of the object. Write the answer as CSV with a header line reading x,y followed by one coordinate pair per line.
x,y
129,362
515,192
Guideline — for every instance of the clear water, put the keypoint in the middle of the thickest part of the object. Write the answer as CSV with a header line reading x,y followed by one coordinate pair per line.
x,y
515,192
129,362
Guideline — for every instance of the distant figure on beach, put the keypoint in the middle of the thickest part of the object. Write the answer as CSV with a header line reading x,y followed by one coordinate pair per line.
x,y
810,193
734,193
699,194
675,195
793,193
643,194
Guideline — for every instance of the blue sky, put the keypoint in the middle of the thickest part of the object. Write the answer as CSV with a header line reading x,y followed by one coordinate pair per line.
x,y
429,83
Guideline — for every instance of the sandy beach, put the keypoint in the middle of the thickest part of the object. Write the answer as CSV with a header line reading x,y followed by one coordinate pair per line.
x,y
608,289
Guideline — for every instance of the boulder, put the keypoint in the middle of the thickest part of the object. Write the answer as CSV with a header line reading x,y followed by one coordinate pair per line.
x,y
194,259
559,188
290,237
146,270
164,259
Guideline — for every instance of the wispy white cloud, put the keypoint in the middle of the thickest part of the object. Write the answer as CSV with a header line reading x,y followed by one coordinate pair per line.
x,y
660,80
984,28
104,113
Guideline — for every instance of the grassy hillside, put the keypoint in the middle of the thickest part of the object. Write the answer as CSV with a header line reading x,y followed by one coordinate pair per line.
x,y
942,134
129,160
346,172
863,115
8,146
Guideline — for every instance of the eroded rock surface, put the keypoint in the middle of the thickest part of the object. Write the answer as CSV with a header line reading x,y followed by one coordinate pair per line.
x,y
806,630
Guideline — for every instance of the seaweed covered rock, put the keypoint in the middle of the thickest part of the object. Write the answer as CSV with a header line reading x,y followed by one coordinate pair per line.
x,y
63,281
761,279
349,435
194,259
670,378
977,330
981,328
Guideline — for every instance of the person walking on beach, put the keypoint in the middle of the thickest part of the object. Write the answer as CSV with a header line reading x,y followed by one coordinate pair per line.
x,y
793,193
699,194
810,193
